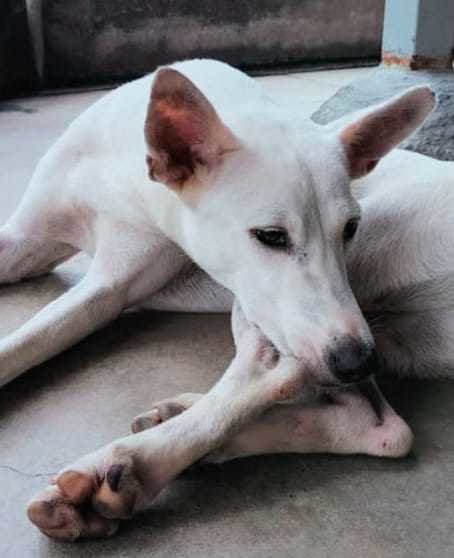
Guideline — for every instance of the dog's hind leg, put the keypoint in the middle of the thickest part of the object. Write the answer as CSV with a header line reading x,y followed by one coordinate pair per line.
x,y
40,233
75,314
23,255
118,277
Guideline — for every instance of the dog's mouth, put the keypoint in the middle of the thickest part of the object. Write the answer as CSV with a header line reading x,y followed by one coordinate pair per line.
x,y
340,385
331,385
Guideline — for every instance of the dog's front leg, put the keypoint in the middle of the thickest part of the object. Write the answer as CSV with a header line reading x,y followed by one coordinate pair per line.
x,y
125,476
357,419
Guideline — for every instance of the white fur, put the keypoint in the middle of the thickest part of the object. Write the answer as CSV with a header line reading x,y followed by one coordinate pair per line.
x,y
153,245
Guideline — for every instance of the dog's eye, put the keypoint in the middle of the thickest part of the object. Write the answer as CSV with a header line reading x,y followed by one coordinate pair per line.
x,y
350,229
272,237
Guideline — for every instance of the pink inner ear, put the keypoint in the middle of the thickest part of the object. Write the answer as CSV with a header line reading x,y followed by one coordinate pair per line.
x,y
370,165
374,135
187,126
176,132
182,130
365,142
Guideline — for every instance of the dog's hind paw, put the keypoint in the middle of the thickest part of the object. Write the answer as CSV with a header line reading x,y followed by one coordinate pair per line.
x,y
163,411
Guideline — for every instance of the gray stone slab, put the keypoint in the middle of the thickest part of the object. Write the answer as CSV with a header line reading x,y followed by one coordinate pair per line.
x,y
435,137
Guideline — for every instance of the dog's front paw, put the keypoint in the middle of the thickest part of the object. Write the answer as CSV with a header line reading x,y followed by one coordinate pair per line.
x,y
392,440
163,411
87,499
59,518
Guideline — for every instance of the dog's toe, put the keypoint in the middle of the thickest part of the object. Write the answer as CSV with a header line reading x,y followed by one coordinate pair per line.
x,y
161,411
146,420
58,518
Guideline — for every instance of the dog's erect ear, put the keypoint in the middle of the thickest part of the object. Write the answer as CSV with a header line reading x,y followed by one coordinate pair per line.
x,y
183,132
380,129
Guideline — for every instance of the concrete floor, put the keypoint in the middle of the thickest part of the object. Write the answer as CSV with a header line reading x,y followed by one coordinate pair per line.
x,y
289,506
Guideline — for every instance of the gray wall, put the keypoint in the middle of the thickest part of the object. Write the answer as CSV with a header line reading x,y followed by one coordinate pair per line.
x,y
96,41
16,61
55,43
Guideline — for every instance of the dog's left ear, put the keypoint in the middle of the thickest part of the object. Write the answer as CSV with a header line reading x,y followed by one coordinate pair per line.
x,y
184,134
373,135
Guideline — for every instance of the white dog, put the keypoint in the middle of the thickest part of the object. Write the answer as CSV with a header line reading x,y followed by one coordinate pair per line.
x,y
191,187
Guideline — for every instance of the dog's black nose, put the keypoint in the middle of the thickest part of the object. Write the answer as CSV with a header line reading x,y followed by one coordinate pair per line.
x,y
353,360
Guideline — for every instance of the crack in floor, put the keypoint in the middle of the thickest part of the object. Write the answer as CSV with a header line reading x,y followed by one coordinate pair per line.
x,y
25,474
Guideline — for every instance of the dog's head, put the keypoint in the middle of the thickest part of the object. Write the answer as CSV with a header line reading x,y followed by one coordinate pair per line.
x,y
269,211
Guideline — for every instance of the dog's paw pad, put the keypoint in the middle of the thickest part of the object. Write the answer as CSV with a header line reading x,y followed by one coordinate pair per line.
x,y
58,518
117,494
76,486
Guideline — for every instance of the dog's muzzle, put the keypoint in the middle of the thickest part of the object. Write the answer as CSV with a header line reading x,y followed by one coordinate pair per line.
x,y
352,360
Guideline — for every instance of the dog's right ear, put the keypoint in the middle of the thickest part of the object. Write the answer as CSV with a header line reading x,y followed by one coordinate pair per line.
x,y
376,131
185,137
